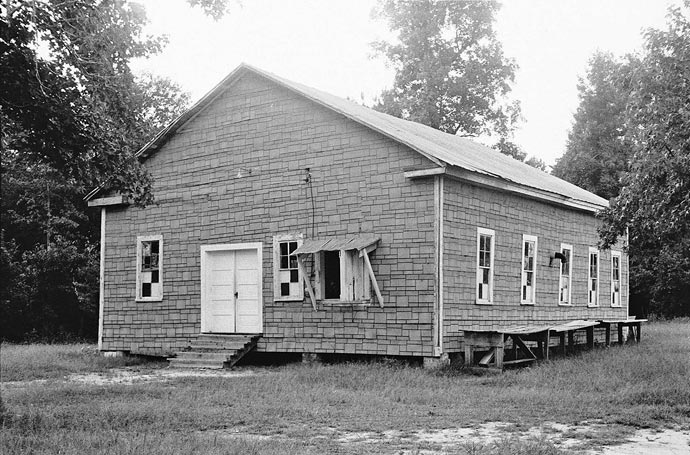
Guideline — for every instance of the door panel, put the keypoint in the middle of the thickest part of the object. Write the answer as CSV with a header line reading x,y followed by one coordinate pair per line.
x,y
231,285
221,291
248,295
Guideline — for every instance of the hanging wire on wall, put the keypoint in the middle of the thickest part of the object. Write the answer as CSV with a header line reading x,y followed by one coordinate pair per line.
x,y
308,181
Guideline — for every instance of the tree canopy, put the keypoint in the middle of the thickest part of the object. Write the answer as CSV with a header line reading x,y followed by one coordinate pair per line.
x,y
451,72
598,150
72,115
654,202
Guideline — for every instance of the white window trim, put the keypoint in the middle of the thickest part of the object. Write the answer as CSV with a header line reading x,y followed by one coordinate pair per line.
x,y
149,238
620,279
593,250
492,234
570,277
529,238
277,239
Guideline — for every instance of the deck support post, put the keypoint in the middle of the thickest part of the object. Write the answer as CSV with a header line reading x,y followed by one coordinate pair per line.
x,y
607,328
590,337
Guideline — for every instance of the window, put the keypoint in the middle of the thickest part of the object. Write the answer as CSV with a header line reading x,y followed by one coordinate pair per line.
x,y
565,280
593,281
287,278
342,276
529,259
615,278
331,274
342,270
485,265
150,268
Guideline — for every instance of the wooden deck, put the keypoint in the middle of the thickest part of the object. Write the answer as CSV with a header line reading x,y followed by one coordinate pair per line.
x,y
492,342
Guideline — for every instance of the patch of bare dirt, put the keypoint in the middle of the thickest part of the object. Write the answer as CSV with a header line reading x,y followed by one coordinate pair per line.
x,y
127,376
576,438
644,442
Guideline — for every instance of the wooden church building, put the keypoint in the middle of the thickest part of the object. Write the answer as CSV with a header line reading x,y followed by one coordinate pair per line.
x,y
288,220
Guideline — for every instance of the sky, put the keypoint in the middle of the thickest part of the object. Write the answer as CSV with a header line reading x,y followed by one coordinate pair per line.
x,y
326,45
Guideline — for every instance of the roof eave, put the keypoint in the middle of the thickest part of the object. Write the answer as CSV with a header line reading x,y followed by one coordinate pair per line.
x,y
164,134
497,183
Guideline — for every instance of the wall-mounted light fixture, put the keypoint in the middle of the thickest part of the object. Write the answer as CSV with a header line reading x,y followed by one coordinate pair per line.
x,y
557,255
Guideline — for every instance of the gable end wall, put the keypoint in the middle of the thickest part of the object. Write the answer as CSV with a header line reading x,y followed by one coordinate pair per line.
x,y
358,186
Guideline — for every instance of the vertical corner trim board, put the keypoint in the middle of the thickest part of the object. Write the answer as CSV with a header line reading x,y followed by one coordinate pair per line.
x,y
101,282
438,237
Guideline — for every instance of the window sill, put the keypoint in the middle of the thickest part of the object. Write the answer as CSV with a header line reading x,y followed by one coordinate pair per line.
x,y
149,299
527,303
288,299
484,302
336,302
616,306
564,304
592,305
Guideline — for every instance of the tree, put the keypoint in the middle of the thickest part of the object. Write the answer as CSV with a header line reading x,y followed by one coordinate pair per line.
x,y
213,8
654,202
71,102
451,73
537,163
598,151
72,116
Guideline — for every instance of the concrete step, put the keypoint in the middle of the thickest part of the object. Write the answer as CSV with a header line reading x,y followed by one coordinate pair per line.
x,y
216,347
195,363
223,338
211,356
214,351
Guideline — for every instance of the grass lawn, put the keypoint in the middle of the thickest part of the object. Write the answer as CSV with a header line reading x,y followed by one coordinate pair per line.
x,y
342,408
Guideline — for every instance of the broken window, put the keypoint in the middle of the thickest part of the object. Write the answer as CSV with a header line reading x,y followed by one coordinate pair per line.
x,y
485,265
615,278
529,257
342,269
149,267
331,274
286,274
593,280
565,278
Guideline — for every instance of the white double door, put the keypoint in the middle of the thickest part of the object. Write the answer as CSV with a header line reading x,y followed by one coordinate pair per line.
x,y
231,300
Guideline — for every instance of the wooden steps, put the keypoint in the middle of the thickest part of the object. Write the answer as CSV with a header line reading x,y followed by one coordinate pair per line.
x,y
214,351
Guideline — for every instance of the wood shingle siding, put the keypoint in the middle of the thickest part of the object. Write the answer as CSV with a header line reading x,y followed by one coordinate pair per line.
x,y
261,157
277,134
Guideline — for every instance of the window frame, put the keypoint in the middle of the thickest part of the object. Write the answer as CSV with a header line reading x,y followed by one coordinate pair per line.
x,y
594,304
616,254
352,269
277,240
565,246
529,238
490,298
140,240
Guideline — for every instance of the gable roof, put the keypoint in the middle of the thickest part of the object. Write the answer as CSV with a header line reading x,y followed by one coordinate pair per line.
x,y
445,150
